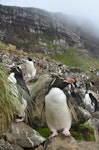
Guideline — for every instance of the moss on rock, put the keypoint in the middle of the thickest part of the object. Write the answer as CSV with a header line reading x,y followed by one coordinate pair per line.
x,y
44,131
83,132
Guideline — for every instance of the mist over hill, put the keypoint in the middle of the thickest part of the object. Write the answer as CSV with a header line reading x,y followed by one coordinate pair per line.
x,y
36,30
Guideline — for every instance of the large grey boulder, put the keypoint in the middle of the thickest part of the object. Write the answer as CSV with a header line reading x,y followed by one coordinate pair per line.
x,y
62,142
23,135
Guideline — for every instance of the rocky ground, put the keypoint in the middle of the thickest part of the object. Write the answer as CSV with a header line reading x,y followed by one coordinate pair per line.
x,y
20,135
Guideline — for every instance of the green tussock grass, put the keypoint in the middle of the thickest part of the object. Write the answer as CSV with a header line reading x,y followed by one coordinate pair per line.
x,y
6,108
8,101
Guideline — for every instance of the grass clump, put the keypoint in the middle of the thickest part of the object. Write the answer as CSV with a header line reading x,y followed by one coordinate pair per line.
x,y
83,132
2,45
6,108
9,101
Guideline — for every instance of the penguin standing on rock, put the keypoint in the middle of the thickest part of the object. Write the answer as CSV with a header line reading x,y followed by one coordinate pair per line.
x,y
57,112
30,68
75,95
90,100
16,77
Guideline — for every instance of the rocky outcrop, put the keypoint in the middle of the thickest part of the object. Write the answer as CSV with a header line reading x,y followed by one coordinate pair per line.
x,y
22,136
61,142
39,31
69,143
20,25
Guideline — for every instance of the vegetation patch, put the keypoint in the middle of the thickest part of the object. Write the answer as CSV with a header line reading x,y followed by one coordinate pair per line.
x,y
79,132
68,58
74,57
44,131
83,132
9,101
6,108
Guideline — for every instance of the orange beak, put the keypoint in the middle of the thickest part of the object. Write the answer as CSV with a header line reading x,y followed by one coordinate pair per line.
x,y
70,80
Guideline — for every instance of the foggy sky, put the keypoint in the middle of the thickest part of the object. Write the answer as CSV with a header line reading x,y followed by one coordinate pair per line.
x,y
81,9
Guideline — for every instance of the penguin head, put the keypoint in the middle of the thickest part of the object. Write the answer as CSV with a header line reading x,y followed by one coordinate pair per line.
x,y
91,95
29,59
17,71
61,82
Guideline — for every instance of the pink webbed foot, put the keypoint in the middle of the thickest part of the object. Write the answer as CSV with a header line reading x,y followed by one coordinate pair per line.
x,y
66,132
19,120
53,134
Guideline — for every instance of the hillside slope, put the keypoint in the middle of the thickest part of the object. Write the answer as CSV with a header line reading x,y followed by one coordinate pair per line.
x,y
36,30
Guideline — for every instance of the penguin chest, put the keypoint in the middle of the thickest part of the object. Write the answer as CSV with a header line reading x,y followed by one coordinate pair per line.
x,y
88,102
11,78
57,112
31,71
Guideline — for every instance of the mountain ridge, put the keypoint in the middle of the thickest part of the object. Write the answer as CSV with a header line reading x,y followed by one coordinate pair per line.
x,y
36,30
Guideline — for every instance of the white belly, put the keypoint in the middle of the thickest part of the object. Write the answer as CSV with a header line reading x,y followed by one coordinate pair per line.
x,y
11,78
87,102
31,71
57,113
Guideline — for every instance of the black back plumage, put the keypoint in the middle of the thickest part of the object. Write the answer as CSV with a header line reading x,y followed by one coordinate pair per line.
x,y
23,90
76,96
19,77
87,88
94,101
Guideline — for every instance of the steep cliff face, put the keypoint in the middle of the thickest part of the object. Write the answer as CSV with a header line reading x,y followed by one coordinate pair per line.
x,y
36,30
24,26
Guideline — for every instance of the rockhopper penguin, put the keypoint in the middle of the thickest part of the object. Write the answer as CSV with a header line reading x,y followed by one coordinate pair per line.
x,y
90,100
75,95
30,68
16,77
57,112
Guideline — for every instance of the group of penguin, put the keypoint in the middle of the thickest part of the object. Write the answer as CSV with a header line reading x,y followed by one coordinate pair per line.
x,y
88,100
57,112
